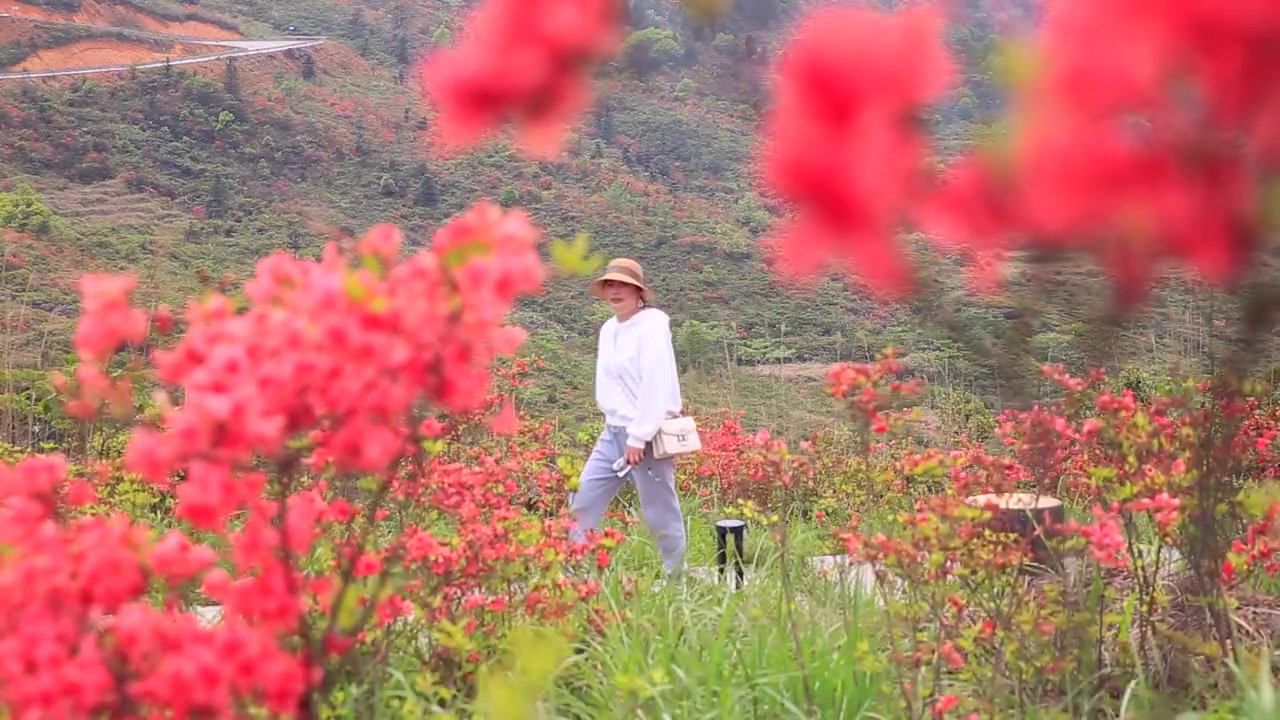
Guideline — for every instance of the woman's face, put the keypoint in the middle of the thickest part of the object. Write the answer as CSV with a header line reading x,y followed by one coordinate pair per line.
x,y
621,296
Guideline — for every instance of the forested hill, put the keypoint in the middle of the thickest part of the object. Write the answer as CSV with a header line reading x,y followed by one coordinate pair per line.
x,y
190,173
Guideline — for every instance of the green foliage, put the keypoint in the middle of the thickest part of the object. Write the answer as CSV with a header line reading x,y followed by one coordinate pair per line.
x,y
1143,383
963,414
574,257
23,209
727,44
685,88
513,689
387,187
11,53
700,344
68,5
650,49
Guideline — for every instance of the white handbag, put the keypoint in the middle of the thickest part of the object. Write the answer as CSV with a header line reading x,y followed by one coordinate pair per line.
x,y
677,435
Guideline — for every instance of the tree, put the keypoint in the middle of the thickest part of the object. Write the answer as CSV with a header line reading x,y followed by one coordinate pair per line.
x,y
357,28
427,194
219,198
293,239
399,15
699,345
23,209
308,64
727,45
604,121
231,80
403,55
649,50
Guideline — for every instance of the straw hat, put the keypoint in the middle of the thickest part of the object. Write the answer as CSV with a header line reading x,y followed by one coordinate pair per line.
x,y
623,270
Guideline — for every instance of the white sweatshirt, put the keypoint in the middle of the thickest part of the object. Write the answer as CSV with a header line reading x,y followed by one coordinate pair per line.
x,y
637,383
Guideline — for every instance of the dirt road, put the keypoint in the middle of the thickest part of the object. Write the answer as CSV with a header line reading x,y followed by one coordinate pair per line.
x,y
218,50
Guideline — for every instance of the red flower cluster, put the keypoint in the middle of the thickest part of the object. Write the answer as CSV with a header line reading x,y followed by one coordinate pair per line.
x,y
755,472
527,61
871,388
1146,134
1260,548
843,138
321,379
79,635
1148,143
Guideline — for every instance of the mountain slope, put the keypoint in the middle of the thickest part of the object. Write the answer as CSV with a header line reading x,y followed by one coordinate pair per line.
x,y
183,175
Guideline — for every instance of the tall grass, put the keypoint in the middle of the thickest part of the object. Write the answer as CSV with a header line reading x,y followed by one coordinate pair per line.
x,y
700,649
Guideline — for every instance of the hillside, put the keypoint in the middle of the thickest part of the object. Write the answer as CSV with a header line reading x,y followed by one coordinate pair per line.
x,y
186,175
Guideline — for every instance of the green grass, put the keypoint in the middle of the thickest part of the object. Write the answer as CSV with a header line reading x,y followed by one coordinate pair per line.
x,y
707,653
702,650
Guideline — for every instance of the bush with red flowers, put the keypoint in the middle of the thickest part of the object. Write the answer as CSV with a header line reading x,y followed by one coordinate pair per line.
x,y
318,509
316,436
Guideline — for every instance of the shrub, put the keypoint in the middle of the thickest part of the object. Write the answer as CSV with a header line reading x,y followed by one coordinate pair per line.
x,y
23,209
299,445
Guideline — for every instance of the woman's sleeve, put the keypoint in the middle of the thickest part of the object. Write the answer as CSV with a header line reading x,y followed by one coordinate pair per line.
x,y
659,381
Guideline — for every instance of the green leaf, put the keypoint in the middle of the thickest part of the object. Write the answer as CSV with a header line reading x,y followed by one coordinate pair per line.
x,y
511,689
1271,204
372,263
460,254
451,636
433,446
1012,63
572,257
1257,499
355,290
348,610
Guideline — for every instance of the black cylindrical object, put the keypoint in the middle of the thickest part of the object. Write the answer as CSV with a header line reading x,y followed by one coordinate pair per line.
x,y
737,528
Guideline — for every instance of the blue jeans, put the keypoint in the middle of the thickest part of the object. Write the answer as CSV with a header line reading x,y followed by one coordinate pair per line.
x,y
655,482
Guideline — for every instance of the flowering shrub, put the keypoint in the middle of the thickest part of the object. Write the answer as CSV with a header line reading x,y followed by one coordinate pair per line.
x,y
1180,141
296,432
825,477
527,61
832,112
315,436
963,621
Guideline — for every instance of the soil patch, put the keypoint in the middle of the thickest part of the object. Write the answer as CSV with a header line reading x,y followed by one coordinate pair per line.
x,y
803,370
106,52
14,30
95,12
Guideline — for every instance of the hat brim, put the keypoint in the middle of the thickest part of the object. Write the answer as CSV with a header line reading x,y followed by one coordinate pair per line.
x,y
597,285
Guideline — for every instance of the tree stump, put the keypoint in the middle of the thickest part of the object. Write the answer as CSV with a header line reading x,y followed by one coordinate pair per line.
x,y
1028,515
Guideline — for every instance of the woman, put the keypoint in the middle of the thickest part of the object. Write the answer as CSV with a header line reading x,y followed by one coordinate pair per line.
x,y
637,386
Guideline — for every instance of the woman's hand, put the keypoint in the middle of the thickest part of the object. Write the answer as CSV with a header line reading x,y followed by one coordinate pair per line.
x,y
634,456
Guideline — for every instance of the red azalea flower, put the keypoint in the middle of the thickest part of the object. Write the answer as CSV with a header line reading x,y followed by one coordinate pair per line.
x,y
524,61
843,142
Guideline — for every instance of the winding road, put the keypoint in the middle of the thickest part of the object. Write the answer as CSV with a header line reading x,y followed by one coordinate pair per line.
x,y
230,49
